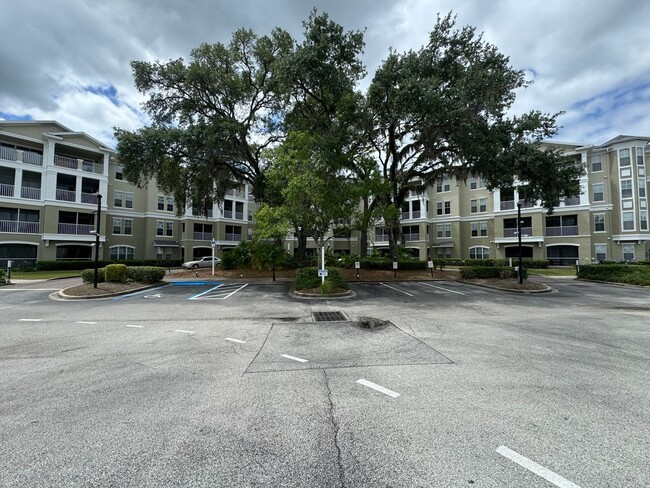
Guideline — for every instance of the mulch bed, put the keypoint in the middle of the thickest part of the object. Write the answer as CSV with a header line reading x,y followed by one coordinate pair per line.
x,y
89,290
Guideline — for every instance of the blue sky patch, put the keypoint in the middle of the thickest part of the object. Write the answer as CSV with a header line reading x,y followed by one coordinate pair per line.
x,y
109,92
8,116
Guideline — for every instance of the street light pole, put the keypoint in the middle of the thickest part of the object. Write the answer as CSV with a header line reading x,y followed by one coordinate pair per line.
x,y
521,264
98,221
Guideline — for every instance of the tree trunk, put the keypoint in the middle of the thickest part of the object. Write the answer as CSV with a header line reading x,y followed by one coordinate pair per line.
x,y
393,234
363,243
302,247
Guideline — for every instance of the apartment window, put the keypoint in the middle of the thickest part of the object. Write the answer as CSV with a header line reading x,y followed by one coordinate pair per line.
x,y
160,228
479,229
478,205
443,185
227,209
623,157
447,208
643,219
596,163
600,250
381,234
233,233
411,233
639,156
476,183
642,188
415,209
161,202
439,208
628,252
128,199
443,230
626,188
628,220
599,222
128,227
169,229
117,225
170,204
118,198
122,252
479,252
119,172
598,191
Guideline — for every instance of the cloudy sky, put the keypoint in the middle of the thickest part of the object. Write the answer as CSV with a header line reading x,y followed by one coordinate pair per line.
x,y
69,60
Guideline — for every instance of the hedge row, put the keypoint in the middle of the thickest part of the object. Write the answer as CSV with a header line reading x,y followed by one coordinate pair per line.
x,y
616,273
528,263
631,263
486,272
72,265
3,276
140,274
307,278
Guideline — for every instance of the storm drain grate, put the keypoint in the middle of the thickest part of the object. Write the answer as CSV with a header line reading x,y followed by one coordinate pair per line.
x,y
329,317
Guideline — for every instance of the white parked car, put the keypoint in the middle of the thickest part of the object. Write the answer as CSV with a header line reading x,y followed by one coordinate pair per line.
x,y
204,262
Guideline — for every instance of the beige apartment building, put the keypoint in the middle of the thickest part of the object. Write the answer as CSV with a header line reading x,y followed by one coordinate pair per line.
x,y
51,177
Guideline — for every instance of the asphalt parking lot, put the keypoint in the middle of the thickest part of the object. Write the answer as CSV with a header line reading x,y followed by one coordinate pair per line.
x,y
236,384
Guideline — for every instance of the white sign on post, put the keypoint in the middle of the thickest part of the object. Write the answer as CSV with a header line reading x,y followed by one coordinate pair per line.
x,y
394,264
357,265
430,264
214,245
322,273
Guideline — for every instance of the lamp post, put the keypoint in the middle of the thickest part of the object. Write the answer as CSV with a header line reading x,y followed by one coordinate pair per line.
x,y
99,217
520,268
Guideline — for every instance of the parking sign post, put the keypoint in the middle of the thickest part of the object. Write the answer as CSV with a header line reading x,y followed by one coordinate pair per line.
x,y
214,245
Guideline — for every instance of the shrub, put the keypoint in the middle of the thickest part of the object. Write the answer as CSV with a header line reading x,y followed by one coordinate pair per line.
x,y
73,265
115,272
478,262
616,273
3,276
489,272
307,278
88,275
145,274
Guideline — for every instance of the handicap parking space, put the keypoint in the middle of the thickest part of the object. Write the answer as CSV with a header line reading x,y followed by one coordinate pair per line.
x,y
417,290
187,290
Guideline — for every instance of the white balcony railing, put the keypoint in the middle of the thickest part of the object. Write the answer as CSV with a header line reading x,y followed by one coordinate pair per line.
x,y
33,158
227,214
89,198
31,193
381,238
239,215
17,227
6,190
76,229
202,236
8,153
92,167
567,230
507,204
411,237
65,162
65,195
233,237
525,232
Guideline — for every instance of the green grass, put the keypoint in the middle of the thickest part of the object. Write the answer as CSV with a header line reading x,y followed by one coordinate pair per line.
x,y
41,275
553,272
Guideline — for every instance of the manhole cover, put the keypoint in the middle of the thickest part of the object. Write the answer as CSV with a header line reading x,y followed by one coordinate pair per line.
x,y
329,317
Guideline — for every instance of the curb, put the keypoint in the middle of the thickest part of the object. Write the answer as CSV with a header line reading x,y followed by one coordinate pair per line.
x,y
547,289
310,296
60,295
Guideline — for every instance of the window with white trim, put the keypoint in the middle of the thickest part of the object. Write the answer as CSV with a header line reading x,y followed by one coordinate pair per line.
x,y
600,252
411,233
626,188
476,183
598,192
628,220
128,227
479,229
128,199
624,157
169,201
479,252
169,229
443,230
642,187
119,172
628,252
599,222
639,156
447,208
118,198
117,225
160,227
122,252
596,163
443,186
161,202
643,219
478,205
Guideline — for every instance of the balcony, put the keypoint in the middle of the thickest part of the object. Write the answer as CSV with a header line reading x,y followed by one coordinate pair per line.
x,y
525,231
66,195
88,198
30,193
568,230
17,227
11,154
76,229
6,190
411,237
82,164
239,215
202,236
507,205
416,214
233,237
381,238
227,214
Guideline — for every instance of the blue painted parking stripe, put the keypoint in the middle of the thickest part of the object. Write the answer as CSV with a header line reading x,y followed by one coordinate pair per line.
x,y
139,292
193,297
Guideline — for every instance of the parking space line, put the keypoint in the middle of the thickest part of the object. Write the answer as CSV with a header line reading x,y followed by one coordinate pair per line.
x,y
241,287
396,289
194,297
235,340
294,358
30,320
185,331
135,326
139,292
379,388
444,289
533,467
83,322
